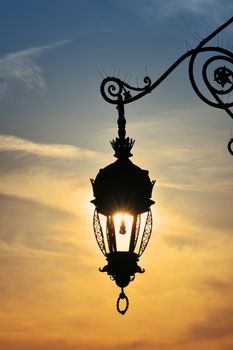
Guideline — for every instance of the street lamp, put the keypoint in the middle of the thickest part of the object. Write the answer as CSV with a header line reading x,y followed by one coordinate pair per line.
x,y
122,217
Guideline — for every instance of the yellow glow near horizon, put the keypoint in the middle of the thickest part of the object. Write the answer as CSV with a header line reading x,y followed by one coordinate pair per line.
x,y
123,240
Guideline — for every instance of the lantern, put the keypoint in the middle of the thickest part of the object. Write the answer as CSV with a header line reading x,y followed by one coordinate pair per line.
x,y
122,218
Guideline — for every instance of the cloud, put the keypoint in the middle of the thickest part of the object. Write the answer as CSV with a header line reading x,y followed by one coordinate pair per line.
x,y
182,242
44,163
47,235
219,285
21,70
53,174
43,253
215,326
172,8
10,143
218,325
54,343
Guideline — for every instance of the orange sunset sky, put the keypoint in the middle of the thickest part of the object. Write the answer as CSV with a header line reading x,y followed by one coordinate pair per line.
x,y
54,136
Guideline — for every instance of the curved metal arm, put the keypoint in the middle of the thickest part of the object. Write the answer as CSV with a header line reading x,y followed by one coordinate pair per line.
x,y
118,92
112,88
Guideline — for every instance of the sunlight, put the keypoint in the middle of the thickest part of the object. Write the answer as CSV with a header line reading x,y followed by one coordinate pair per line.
x,y
123,226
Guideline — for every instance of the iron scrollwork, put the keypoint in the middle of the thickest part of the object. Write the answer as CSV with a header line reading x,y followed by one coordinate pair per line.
x,y
217,74
147,233
98,232
112,88
219,82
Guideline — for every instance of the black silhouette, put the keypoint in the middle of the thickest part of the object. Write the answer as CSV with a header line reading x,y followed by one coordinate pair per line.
x,y
124,187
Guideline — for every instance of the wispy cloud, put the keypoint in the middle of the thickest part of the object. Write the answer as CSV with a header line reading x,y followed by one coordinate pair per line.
x,y
10,143
43,237
22,69
218,325
171,8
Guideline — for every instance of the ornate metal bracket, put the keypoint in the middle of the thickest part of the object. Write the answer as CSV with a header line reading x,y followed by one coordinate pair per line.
x,y
217,78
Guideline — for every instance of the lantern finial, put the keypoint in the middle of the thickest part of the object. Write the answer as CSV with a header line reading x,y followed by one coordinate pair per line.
x,y
122,145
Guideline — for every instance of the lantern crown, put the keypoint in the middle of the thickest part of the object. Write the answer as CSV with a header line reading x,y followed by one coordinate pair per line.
x,y
122,186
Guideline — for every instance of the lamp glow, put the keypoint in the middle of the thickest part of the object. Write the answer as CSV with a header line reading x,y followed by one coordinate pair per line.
x,y
123,227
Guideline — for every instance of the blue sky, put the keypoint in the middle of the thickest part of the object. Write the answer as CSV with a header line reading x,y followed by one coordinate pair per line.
x,y
55,129
56,48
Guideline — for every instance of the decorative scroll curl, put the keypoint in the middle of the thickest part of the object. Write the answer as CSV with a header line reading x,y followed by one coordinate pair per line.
x,y
217,76
114,88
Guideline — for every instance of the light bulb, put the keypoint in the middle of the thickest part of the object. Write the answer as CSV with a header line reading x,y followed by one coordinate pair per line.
x,y
122,229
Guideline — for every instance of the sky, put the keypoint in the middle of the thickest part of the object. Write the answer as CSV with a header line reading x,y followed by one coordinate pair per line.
x,y
55,129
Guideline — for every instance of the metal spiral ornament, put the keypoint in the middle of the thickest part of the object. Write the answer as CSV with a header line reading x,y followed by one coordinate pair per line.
x,y
113,88
217,75
222,75
218,80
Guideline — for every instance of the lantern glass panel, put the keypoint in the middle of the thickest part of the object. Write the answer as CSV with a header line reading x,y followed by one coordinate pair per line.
x,y
122,232
123,223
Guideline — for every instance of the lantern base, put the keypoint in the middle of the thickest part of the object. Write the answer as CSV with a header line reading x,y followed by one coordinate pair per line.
x,y
122,267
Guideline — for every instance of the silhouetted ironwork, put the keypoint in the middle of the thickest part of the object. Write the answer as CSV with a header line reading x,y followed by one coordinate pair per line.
x,y
146,233
98,232
118,92
123,187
